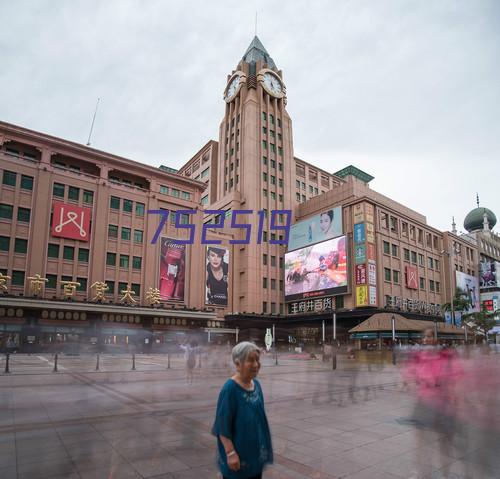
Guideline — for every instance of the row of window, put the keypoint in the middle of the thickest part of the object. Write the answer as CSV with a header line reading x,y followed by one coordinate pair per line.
x,y
10,179
273,260
271,118
7,212
127,205
175,192
125,233
272,163
273,195
410,256
272,133
59,191
395,275
20,244
124,260
54,250
272,147
265,176
273,308
273,283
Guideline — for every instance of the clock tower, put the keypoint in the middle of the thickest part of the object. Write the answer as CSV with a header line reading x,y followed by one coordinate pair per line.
x,y
256,173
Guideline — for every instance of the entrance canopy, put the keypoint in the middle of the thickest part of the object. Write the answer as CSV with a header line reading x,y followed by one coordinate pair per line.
x,y
381,324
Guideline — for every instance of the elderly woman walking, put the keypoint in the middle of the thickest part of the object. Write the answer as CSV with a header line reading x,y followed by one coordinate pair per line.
x,y
241,427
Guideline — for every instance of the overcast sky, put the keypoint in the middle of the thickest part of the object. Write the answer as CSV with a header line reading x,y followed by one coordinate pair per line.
x,y
408,91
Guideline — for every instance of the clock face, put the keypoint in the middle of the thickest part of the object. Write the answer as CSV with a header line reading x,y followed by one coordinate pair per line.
x,y
232,88
273,84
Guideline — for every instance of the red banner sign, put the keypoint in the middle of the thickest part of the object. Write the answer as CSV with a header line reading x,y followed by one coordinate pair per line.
x,y
360,274
71,221
411,277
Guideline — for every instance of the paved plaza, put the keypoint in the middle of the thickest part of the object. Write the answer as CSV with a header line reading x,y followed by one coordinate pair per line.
x,y
354,422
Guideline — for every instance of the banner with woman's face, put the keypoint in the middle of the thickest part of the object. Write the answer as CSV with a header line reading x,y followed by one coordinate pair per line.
x,y
217,276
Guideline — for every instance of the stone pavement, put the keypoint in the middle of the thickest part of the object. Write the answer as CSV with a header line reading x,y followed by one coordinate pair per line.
x,y
352,422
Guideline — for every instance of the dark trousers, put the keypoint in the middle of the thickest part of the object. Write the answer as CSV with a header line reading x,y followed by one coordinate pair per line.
x,y
258,476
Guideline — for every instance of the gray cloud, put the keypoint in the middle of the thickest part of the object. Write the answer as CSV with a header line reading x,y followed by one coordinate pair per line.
x,y
406,90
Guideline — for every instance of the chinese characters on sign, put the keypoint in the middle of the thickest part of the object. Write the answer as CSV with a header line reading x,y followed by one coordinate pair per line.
x,y
412,305
36,284
361,296
311,306
360,274
100,289
3,282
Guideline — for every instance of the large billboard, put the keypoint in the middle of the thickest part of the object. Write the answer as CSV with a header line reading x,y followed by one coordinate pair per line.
x,y
488,274
316,271
172,270
71,221
217,276
469,286
316,229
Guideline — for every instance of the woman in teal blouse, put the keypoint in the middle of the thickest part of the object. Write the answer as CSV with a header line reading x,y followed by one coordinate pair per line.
x,y
243,436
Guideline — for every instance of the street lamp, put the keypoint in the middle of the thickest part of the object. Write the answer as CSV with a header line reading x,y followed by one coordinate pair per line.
x,y
452,295
393,325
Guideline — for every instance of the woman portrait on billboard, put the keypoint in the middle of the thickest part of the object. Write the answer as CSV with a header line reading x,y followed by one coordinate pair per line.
x,y
217,275
326,223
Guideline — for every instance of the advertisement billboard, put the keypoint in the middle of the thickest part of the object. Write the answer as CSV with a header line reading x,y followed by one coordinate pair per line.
x,y
318,270
469,287
217,276
172,270
359,253
411,277
359,233
361,295
488,274
71,221
316,229
360,274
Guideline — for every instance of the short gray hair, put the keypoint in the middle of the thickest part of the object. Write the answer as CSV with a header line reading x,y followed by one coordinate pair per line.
x,y
242,350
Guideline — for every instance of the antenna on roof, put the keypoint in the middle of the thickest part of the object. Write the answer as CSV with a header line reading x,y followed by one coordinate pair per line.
x,y
477,199
93,120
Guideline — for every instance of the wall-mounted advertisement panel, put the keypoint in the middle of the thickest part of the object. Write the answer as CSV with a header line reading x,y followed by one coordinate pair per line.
x,y
359,233
372,295
361,295
469,286
316,271
316,229
217,276
488,274
172,270
360,274
359,253
411,277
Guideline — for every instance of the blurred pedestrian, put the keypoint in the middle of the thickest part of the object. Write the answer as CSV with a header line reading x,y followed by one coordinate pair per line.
x,y
241,426
190,351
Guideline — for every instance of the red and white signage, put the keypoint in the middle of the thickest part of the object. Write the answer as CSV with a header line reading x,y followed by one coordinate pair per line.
x,y
411,277
360,274
71,221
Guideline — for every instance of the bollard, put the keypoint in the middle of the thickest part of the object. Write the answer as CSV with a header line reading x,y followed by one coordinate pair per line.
x,y
56,357
334,360
97,362
168,360
133,362
7,365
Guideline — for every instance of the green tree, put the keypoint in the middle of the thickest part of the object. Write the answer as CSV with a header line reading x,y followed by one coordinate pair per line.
x,y
482,321
461,301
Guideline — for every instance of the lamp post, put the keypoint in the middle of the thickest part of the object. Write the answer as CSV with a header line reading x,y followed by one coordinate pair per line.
x,y
393,325
452,295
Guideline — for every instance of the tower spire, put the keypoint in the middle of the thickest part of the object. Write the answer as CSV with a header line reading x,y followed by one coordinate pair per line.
x,y
477,199
453,225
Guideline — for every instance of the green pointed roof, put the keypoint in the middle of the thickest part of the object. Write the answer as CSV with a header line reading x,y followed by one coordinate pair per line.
x,y
257,52
353,171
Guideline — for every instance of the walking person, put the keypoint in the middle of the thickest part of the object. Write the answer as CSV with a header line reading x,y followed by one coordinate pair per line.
x,y
190,351
241,427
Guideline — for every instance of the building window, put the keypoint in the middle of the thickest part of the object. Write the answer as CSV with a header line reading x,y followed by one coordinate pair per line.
x,y
273,164
264,130
394,224
438,287
422,283
136,288
280,150
9,178
414,257
127,206
264,282
431,285
387,247
111,259
303,185
264,116
20,245
125,234
264,192
122,287
176,193
273,308
26,182
395,276
52,281
421,259
138,236
139,209
73,193
111,287
281,262
406,254
420,236
17,278
280,197
58,190
4,243
23,215
271,117
297,197
6,211
164,190
83,285
395,250
384,220
264,160
436,265
204,200
69,253
124,260
404,228
430,262
264,307
53,250
264,259
264,144
88,196
83,255
310,189
264,176
136,262
273,260
303,198
273,147
273,284
114,203
273,180
387,274
281,285
112,231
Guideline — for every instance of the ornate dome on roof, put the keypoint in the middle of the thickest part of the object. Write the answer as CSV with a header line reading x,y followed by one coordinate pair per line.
x,y
474,221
